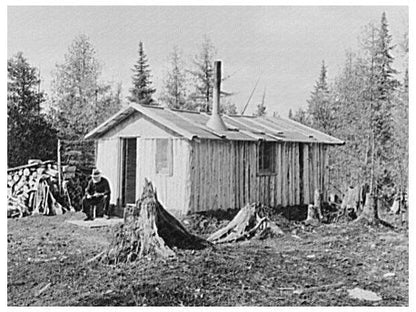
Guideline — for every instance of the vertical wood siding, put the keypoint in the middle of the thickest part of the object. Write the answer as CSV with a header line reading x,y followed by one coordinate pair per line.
x,y
225,175
108,162
215,174
173,191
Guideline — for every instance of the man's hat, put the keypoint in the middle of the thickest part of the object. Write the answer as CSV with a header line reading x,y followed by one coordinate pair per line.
x,y
96,173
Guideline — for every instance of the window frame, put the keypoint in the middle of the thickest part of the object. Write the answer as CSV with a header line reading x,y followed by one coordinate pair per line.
x,y
168,170
263,147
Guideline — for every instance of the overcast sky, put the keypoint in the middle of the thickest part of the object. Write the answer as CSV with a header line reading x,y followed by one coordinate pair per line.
x,y
284,46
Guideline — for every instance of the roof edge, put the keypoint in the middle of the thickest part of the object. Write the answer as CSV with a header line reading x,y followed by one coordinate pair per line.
x,y
93,132
147,111
330,137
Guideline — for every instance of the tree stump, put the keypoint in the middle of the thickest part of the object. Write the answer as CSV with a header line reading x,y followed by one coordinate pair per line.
x,y
350,201
369,215
313,215
149,230
247,223
315,211
369,211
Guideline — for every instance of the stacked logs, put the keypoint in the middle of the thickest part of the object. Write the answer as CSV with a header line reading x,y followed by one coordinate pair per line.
x,y
34,188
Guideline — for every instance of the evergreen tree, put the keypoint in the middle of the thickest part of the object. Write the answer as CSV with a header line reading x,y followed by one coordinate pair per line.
x,y
384,88
364,110
29,133
319,105
174,93
80,102
142,91
290,114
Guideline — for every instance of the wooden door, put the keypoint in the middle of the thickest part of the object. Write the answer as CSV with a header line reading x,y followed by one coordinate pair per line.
x,y
129,168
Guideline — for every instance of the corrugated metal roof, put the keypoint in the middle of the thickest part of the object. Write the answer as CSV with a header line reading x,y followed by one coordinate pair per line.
x,y
192,125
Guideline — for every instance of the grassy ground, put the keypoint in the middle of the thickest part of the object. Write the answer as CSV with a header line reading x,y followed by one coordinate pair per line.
x,y
306,267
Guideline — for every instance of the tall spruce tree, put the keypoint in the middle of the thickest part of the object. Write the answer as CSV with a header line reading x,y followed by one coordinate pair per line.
x,y
384,88
142,91
369,112
319,105
29,133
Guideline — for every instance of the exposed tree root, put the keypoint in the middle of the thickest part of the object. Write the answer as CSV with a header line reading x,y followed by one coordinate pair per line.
x,y
369,215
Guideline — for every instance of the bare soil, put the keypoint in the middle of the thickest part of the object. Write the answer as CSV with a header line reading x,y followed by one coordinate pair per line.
x,y
309,266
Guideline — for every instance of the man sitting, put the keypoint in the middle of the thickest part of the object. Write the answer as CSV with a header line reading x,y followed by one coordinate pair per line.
x,y
97,194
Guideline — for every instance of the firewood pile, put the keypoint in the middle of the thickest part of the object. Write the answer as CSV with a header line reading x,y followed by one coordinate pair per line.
x,y
34,189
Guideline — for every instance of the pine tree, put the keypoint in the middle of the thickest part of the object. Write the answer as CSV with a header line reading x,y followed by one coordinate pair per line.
x,y
142,91
384,88
369,112
319,106
29,133
80,101
174,93
290,115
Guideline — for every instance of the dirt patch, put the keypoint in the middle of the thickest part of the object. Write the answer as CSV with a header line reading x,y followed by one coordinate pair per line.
x,y
287,271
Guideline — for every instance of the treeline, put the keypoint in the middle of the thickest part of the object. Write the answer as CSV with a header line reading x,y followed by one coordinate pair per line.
x,y
189,83
367,107
80,100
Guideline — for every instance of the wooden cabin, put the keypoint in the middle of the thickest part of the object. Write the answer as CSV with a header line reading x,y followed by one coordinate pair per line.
x,y
198,166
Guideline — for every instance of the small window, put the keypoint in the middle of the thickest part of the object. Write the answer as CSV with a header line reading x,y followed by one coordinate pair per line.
x,y
267,158
164,156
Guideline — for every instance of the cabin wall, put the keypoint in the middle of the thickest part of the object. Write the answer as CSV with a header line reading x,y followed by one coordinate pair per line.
x,y
108,162
109,154
216,174
225,175
173,190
